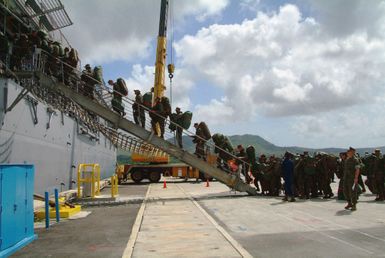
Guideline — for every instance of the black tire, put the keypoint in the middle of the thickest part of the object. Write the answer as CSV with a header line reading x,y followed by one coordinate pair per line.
x,y
154,176
136,176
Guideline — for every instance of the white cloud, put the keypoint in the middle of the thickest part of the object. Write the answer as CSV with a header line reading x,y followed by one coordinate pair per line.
x,y
217,112
285,65
106,31
357,126
201,9
142,78
344,17
252,5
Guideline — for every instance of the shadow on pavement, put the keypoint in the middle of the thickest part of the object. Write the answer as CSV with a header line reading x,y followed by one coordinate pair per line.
x,y
343,212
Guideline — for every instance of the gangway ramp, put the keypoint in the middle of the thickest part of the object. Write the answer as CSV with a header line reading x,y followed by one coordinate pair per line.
x,y
42,80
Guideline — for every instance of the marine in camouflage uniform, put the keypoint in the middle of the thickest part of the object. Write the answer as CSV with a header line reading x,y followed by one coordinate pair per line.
x,y
368,170
179,129
200,143
299,177
351,172
309,164
340,175
378,170
326,165
156,117
243,166
89,82
138,110
116,101
223,148
273,175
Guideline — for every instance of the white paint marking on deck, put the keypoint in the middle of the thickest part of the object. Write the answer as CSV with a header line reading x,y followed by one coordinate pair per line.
x,y
324,234
342,226
238,247
135,229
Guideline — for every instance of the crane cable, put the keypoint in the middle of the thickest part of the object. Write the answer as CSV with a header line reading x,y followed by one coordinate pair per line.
x,y
171,66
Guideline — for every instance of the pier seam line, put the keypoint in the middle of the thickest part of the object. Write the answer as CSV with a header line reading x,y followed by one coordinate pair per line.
x,y
129,250
238,247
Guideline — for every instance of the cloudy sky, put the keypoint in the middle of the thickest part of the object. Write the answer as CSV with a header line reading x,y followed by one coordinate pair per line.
x,y
296,72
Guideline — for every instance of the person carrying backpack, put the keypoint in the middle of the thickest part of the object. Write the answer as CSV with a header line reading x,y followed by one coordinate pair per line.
x,y
138,110
119,90
202,134
179,129
156,117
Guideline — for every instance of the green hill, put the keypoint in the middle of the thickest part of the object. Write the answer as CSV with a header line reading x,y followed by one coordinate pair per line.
x,y
261,147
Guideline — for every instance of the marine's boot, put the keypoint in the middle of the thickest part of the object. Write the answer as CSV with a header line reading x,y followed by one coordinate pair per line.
x,y
292,199
347,207
285,199
326,196
354,208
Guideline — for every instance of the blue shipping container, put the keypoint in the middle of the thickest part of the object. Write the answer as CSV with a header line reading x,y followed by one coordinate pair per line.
x,y
16,207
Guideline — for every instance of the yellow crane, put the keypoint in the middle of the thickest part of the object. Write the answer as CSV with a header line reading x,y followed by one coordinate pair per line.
x,y
161,52
159,81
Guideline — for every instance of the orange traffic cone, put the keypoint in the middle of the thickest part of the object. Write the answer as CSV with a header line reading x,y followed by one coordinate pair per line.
x,y
207,183
164,184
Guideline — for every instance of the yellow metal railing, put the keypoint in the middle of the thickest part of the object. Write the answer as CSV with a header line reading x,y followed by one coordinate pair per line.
x,y
114,186
89,173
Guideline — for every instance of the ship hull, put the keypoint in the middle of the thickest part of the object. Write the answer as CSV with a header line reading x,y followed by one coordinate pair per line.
x,y
56,145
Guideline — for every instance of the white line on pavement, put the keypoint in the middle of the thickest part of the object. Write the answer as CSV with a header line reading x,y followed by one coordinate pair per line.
x,y
242,251
323,233
135,229
342,226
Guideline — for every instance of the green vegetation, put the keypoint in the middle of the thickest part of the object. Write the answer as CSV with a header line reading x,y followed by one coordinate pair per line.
x,y
260,144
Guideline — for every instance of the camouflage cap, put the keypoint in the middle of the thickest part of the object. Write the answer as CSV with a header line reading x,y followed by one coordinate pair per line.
x,y
377,150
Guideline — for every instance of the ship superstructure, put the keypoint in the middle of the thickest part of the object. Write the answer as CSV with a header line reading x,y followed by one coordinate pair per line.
x,y
80,123
33,130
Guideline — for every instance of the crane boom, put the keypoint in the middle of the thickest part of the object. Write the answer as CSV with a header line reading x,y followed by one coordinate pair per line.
x,y
160,63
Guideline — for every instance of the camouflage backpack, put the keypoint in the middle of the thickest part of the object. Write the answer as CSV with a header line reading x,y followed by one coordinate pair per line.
x,y
166,106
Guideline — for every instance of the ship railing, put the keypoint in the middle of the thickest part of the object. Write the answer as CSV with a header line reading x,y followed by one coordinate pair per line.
x,y
102,93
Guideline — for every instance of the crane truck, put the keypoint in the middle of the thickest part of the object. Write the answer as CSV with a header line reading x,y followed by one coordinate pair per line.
x,y
153,167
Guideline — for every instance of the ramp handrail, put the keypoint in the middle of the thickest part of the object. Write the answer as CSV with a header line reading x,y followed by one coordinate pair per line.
x,y
108,92
95,106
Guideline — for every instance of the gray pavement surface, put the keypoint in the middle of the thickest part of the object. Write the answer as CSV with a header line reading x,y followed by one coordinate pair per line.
x,y
173,226
269,227
191,220
104,233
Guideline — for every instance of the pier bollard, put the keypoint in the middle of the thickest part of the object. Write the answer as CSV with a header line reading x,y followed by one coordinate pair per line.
x,y
46,210
57,205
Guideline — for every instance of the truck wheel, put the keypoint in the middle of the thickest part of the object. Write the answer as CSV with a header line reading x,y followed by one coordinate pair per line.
x,y
154,176
136,176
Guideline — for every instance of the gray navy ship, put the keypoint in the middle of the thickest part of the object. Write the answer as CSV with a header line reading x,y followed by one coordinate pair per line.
x,y
32,131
